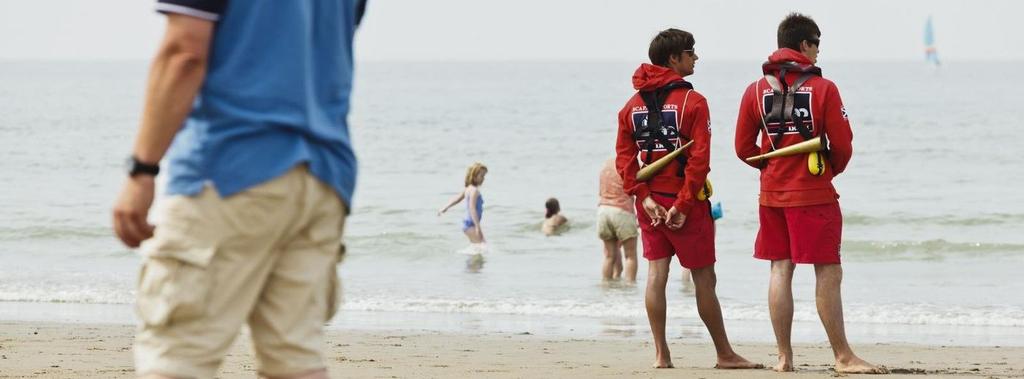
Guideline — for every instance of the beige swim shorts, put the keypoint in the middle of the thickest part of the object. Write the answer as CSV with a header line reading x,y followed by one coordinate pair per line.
x,y
614,223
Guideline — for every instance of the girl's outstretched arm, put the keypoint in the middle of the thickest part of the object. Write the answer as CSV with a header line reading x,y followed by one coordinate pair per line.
x,y
455,200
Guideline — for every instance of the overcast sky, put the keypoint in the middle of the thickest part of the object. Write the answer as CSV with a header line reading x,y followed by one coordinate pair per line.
x,y
555,30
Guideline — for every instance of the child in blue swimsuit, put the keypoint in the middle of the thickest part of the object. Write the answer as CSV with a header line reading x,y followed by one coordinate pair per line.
x,y
474,203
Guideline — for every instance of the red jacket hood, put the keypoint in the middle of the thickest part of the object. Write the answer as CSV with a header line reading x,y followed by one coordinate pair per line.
x,y
786,54
649,77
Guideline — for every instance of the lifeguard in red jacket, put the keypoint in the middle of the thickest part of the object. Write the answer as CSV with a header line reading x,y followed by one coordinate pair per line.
x,y
674,218
800,219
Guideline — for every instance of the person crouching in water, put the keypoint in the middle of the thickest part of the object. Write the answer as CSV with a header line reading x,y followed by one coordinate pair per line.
x,y
678,114
554,222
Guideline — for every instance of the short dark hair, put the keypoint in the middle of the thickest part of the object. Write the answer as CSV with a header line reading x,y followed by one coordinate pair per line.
x,y
669,43
552,206
796,28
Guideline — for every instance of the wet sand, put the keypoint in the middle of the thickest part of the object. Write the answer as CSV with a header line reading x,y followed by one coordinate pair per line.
x,y
53,350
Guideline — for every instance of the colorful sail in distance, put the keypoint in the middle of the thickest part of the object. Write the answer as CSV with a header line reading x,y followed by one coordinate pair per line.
x,y
930,54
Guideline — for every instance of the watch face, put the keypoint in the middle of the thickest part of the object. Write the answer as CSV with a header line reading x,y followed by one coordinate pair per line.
x,y
129,164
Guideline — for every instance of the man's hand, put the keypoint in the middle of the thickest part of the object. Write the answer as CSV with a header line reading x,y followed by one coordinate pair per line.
x,y
654,211
675,219
175,77
131,209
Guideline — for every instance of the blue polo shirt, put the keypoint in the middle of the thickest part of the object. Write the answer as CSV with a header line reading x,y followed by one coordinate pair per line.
x,y
276,95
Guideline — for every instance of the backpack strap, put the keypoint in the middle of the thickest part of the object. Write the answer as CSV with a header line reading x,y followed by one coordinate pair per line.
x,y
652,132
783,101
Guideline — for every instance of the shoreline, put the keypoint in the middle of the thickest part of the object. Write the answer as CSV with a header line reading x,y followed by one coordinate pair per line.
x,y
682,328
62,350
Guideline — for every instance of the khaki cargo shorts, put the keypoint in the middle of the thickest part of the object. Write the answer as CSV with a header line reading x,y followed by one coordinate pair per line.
x,y
265,257
615,224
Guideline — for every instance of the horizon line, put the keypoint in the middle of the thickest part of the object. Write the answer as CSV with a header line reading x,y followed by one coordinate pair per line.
x,y
463,61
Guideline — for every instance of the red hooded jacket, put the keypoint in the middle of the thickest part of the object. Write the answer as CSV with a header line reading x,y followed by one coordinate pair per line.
x,y
785,181
690,120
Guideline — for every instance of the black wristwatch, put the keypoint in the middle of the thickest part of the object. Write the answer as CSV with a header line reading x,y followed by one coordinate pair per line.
x,y
136,167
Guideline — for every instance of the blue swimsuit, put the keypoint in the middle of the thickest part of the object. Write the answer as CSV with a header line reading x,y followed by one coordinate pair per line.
x,y
467,222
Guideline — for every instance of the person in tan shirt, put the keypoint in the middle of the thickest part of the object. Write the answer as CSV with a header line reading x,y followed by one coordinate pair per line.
x,y
616,225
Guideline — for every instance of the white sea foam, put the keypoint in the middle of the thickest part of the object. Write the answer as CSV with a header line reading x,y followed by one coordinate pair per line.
x,y
476,249
908,314
912,314
65,294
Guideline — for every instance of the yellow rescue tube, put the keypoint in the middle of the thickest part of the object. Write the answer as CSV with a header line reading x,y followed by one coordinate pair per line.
x,y
706,192
816,163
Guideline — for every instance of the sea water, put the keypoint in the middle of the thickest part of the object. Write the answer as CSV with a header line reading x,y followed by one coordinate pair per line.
x,y
933,243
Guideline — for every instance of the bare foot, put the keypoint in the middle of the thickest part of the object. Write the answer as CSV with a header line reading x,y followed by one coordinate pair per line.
x,y
663,362
859,366
735,361
785,365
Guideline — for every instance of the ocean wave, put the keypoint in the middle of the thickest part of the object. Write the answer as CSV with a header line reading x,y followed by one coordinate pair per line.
x,y
387,238
930,249
574,225
50,231
65,294
911,314
944,220
894,313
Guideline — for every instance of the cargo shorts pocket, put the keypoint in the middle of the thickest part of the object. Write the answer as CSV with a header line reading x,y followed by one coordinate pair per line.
x,y
334,287
172,290
334,298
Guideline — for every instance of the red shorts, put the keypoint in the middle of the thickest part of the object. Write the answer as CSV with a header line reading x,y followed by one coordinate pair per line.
x,y
694,243
809,234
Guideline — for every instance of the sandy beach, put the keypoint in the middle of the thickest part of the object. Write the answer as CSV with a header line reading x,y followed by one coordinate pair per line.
x,y
50,350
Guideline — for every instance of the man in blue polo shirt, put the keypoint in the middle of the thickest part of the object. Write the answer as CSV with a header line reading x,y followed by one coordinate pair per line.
x,y
249,101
